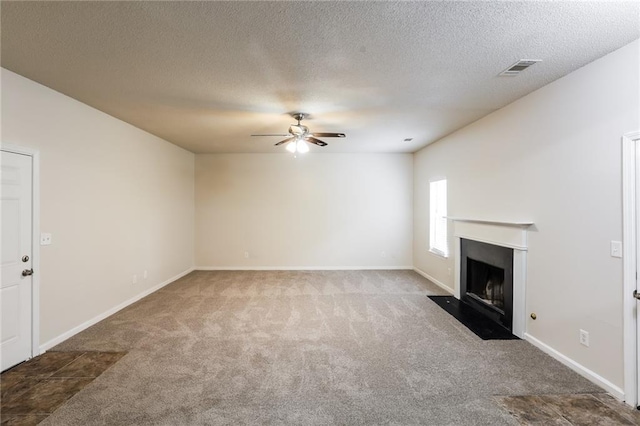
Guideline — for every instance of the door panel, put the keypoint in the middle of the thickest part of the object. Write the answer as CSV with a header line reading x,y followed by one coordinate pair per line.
x,y
637,260
15,289
10,313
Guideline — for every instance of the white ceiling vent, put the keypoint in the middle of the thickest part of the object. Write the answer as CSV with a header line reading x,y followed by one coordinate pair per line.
x,y
518,67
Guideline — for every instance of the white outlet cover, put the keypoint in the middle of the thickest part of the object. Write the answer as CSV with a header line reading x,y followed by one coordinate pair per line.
x,y
584,338
45,239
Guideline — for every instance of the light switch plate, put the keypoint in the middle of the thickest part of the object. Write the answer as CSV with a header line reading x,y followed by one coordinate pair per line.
x,y
45,239
616,249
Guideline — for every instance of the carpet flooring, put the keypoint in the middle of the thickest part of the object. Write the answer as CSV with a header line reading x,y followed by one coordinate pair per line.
x,y
303,347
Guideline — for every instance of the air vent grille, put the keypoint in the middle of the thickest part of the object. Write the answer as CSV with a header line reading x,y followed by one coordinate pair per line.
x,y
518,67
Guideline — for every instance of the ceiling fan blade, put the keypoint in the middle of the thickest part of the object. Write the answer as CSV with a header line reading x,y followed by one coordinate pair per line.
x,y
313,140
273,134
329,135
285,141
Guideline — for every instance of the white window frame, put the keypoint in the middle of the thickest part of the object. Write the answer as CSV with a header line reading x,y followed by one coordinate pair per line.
x,y
438,232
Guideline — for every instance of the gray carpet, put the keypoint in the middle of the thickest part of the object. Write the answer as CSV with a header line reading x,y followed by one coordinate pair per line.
x,y
320,347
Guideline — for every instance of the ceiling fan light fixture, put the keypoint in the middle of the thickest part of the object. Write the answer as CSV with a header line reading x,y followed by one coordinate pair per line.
x,y
291,146
301,146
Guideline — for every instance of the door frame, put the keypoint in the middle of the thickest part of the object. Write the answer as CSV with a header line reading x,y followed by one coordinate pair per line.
x,y
630,158
35,243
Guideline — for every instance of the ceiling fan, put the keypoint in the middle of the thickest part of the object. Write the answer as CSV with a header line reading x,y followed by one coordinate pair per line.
x,y
299,134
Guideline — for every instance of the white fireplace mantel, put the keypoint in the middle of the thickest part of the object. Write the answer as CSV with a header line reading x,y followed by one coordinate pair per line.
x,y
494,222
501,233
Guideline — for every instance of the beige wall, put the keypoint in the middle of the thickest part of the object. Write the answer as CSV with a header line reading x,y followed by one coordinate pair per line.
x,y
117,200
314,211
553,157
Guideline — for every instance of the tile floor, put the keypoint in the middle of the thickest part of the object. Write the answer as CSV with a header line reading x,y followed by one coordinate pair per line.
x,y
33,390
566,410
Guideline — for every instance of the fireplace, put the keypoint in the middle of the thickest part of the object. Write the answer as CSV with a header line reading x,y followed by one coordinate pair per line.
x,y
509,235
486,280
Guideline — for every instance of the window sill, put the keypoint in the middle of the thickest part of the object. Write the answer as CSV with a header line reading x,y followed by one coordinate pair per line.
x,y
438,253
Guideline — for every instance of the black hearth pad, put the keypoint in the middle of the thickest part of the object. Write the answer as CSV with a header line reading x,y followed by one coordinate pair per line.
x,y
483,327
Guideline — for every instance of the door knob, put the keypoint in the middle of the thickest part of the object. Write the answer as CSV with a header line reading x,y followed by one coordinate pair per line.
x,y
25,258
27,272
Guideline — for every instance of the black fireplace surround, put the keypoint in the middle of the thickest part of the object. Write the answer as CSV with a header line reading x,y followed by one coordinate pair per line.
x,y
486,280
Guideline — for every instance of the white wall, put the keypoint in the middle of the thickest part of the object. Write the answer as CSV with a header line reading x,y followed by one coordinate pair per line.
x,y
553,157
313,211
117,200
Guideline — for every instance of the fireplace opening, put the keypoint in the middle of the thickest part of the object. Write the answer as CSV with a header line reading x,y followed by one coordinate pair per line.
x,y
486,283
486,280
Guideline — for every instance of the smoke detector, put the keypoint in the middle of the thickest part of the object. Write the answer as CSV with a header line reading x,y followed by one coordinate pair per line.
x,y
518,67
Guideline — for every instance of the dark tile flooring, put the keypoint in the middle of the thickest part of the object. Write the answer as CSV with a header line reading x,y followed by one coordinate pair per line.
x,y
566,410
33,390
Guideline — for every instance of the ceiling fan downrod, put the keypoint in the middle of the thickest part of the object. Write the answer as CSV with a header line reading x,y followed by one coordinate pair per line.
x,y
299,116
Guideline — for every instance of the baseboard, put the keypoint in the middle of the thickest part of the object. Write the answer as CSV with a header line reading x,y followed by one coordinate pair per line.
x,y
433,280
299,268
614,390
64,336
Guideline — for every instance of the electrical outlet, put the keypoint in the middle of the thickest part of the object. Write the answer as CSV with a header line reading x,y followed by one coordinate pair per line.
x,y
145,274
246,254
383,254
134,279
45,239
584,338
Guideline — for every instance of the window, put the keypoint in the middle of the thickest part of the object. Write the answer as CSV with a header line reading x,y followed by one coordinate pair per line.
x,y
438,217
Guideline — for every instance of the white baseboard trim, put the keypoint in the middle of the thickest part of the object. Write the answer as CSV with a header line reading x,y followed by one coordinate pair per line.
x,y
299,268
433,280
614,390
64,336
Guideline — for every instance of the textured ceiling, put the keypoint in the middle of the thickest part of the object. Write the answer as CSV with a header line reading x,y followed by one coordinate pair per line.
x,y
206,75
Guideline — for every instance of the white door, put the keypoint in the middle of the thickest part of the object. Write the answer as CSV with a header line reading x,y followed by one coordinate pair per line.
x,y
637,289
16,286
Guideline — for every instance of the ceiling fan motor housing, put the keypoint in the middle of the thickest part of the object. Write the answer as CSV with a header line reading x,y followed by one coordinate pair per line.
x,y
298,129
